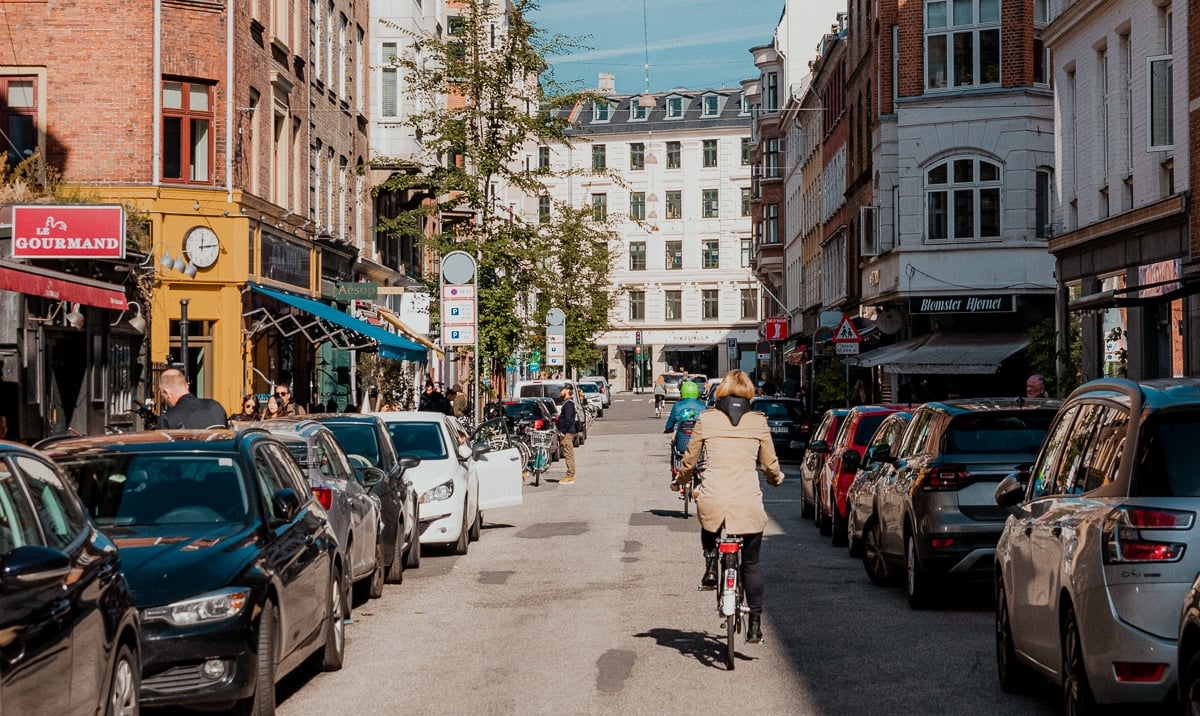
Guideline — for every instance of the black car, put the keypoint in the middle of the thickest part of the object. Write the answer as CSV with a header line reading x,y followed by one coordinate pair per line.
x,y
230,559
533,413
790,425
66,616
366,442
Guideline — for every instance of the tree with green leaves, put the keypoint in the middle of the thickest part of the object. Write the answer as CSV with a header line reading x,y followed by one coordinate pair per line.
x,y
482,107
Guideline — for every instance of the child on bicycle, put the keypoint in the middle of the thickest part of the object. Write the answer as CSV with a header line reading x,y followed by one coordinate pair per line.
x,y
660,394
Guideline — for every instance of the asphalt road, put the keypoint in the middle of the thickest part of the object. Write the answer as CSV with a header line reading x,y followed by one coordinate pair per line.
x,y
583,601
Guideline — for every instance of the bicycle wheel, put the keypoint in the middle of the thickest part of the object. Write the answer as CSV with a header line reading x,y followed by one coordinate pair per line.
x,y
731,620
540,460
525,451
687,498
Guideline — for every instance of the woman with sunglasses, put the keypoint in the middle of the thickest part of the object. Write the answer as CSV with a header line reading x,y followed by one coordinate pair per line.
x,y
249,410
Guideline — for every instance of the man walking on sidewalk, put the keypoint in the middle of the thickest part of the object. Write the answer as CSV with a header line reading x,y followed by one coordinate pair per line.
x,y
566,432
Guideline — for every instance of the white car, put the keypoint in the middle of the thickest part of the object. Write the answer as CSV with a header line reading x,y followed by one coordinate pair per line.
x,y
605,388
459,476
591,391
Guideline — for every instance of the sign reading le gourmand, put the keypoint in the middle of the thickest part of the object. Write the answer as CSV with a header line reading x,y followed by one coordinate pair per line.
x,y
962,304
68,232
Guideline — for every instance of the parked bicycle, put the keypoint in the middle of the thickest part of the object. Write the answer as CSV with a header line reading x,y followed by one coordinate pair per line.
x,y
731,598
541,441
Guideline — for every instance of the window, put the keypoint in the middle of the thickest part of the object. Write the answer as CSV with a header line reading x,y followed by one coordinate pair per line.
x,y
637,305
1102,116
1045,183
674,255
711,105
637,156
637,110
637,205
637,255
53,502
1161,105
599,157
711,254
771,159
543,209
709,304
770,92
747,199
674,205
673,310
963,200
600,111
599,207
770,234
543,158
18,109
962,43
187,142
389,94
747,151
747,253
749,304
674,107
672,155
710,203
710,152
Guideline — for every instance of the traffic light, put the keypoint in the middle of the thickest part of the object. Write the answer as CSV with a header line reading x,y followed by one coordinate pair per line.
x,y
638,339
637,351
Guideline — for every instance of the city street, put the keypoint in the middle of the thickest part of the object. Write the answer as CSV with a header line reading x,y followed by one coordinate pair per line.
x,y
584,601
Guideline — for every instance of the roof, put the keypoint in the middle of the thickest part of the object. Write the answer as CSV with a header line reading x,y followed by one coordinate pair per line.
x,y
977,405
152,441
729,114
411,416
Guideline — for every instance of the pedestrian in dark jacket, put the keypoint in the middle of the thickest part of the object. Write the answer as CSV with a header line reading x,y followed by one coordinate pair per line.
x,y
186,410
287,407
249,411
566,432
432,398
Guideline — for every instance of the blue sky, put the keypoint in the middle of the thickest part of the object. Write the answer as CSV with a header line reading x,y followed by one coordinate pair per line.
x,y
696,44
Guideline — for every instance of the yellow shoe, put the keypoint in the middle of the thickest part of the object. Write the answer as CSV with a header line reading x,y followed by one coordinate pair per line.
x,y
566,480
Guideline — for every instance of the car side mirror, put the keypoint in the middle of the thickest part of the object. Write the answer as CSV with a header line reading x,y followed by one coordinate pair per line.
x,y
480,450
818,446
370,476
851,461
32,565
465,452
408,462
1010,493
879,453
286,502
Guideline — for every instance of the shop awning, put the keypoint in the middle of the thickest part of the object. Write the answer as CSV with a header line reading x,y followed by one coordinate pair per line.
x,y
319,322
59,286
945,353
390,316
687,348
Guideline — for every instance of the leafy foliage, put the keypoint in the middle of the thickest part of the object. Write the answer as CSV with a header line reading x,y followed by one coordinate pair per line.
x,y
1043,355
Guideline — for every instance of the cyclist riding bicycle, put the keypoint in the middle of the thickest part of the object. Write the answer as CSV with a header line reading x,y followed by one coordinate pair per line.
x,y
683,417
660,393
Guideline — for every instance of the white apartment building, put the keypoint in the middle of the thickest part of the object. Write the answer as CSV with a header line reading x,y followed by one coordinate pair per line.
x,y
681,213
1121,240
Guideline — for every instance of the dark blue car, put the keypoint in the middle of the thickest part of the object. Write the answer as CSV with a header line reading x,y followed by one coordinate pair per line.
x,y
230,560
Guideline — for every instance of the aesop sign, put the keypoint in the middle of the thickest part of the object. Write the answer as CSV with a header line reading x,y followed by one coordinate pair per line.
x,y
962,304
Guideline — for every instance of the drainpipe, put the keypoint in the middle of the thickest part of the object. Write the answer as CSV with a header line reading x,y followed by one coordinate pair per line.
x,y
229,101
156,138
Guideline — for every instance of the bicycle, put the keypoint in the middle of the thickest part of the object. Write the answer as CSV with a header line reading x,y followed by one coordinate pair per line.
x,y
731,598
658,406
541,441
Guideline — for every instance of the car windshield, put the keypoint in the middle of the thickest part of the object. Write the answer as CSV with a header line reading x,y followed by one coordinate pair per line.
x,y
778,409
145,489
522,411
1166,465
423,440
357,439
999,433
672,379
590,388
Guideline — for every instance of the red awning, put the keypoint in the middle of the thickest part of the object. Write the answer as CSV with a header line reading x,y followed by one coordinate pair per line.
x,y
59,286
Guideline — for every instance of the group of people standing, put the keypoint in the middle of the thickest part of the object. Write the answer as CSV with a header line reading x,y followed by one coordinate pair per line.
x,y
453,402
185,410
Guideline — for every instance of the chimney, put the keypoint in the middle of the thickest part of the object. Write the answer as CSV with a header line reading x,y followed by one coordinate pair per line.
x,y
607,84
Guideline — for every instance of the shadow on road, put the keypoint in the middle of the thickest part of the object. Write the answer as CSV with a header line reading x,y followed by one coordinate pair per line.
x,y
708,649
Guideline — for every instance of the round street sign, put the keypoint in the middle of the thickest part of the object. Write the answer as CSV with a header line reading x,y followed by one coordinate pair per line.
x,y
458,267
556,317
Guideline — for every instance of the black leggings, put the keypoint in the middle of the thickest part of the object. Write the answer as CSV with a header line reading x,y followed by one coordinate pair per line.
x,y
752,579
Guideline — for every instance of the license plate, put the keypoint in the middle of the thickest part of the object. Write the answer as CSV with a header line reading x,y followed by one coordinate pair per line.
x,y
782,429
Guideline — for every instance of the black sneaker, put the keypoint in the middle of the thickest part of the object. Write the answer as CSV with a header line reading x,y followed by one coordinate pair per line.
x,y
754,628
709,581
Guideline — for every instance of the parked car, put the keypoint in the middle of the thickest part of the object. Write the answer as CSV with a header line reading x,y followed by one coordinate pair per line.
x,y
672,381
230,560
69,638
790,426
845,456
533,413
862,524
591,393
1106,529
815,455
709,395
605,388
365,440
937,517
1188,655
354,513
454,482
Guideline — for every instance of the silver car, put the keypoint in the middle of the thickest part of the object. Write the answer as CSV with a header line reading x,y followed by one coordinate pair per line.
x,y
1102,544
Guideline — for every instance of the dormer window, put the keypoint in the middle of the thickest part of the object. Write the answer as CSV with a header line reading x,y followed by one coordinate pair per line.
x,y
711,105
600,111
674,107
745,104
638,110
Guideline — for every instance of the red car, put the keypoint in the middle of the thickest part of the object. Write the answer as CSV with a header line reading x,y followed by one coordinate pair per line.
x,y
854,434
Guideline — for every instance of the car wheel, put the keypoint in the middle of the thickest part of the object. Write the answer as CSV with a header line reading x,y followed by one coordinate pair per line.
x,y
1189,684
412,559
806,508
126,681
840,529
476,527
824,521
876,565
395,573
463,543
1012,673
333,654
919,588
375,588
1077,699
262,702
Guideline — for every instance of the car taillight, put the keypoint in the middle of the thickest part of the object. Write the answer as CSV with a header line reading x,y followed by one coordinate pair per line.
x,y
539,424
944,477
324,495
1123,540
1138,671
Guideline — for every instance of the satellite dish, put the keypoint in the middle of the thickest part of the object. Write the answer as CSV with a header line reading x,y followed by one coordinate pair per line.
x,y
889,322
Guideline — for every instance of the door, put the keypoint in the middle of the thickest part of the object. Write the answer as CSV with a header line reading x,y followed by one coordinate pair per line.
x,y
35,638
357,503
499,469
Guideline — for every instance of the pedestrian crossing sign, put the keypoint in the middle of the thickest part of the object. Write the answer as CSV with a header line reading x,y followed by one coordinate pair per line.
x,y
846,332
